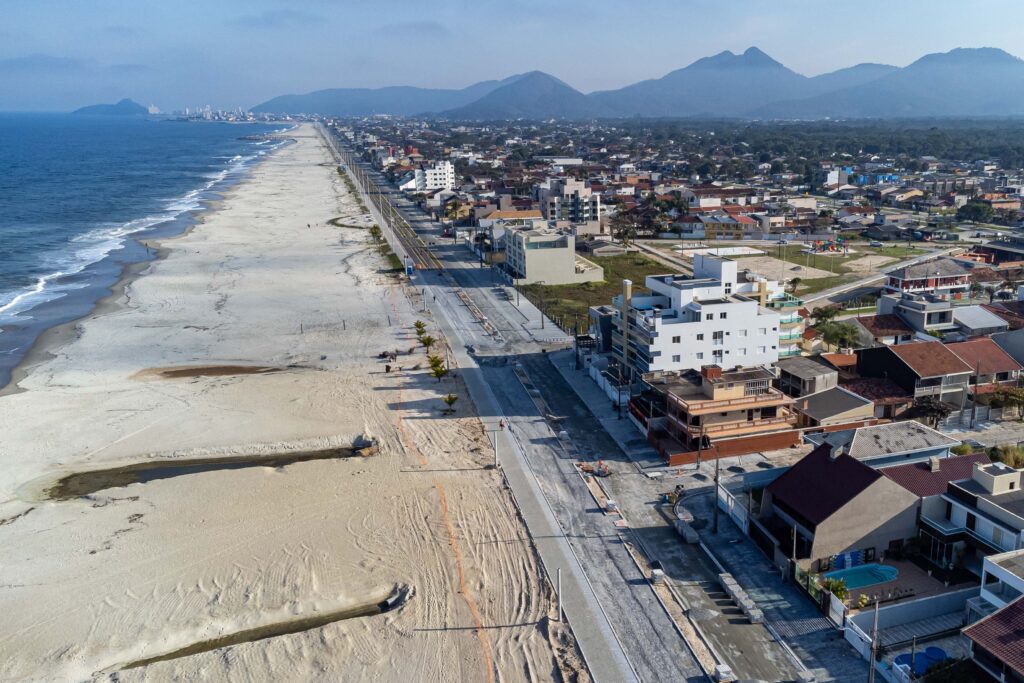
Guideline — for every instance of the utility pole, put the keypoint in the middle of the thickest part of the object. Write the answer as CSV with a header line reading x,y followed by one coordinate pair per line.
x,y
714,502
558,590
700,445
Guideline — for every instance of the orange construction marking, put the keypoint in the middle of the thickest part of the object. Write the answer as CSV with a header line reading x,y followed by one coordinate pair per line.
x,y
462,583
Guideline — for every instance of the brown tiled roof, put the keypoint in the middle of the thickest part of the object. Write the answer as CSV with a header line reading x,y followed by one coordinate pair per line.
x,y
887,325
984,356
818,485
1002,634
919,479
841,360
930,359
880,391
809,333
1010,311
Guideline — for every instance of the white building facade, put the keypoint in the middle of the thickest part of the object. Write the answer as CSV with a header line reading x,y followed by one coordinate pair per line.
x,y
564,199
440,176
716,317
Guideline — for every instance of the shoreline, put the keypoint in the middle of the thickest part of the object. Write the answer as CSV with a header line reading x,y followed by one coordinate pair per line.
x,y
53,337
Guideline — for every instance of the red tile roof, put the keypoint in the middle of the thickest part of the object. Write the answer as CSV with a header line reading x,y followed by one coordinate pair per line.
x,y
817,486
984,356
841,360
887,325
930,359
1002,634
919,479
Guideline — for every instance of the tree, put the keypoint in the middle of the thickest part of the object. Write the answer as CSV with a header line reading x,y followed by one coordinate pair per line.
x,y
421,328
439,372
824,314
976,212
931,409
796,283
452,209
839,334
449,401
836,587
427,342
977,289
1007,397
1010,455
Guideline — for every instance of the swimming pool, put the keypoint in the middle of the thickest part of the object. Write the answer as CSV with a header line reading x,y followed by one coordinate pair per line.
x,y
864,575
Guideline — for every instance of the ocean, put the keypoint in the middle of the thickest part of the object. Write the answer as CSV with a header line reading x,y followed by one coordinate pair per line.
x,y
76,195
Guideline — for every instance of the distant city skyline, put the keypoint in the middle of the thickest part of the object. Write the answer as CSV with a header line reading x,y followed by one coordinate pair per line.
x,y
59,55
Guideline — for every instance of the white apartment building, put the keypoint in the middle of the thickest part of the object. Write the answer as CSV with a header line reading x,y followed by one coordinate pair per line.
x,y
716,317
565,199
543,255
440,176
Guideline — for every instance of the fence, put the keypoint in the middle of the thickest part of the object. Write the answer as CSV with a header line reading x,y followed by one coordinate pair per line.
x,y
963,418
915,610
735,509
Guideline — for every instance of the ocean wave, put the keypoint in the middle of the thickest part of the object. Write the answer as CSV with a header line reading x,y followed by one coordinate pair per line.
x,y
94,245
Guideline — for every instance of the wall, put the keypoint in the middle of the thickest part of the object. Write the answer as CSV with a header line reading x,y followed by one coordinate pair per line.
x,y
883,512
909,611
741,331
740,446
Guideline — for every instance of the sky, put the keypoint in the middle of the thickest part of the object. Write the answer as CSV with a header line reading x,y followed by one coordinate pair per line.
x,y
56,55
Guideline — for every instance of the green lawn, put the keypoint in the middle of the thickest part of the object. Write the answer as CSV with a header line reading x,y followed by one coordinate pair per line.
x,y
567,305
833,263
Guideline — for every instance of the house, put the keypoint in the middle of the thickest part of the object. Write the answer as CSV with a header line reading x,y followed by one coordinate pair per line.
x,y
993,367
976,517
921,369
717,317
546,256
942,277
800,376
976,321
885,233
890,443
721,412
996,642
922,313
830,504
834,408
887,329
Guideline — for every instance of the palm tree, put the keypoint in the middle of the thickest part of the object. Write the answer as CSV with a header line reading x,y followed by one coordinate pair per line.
x,y
427,342
450,400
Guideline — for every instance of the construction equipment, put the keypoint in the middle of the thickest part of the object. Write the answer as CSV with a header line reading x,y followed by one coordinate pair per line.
x,y
598,469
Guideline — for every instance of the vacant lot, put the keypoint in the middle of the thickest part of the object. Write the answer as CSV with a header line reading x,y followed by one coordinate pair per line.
x,y
567,305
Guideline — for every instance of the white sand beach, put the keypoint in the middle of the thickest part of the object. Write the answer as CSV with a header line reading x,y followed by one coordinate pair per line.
x,y
92,584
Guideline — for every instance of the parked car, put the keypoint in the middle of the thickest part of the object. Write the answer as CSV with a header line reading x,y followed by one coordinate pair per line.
x,y
783,242
875,243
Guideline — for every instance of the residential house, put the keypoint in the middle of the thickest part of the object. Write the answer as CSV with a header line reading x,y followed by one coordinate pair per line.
x,y
922,313
890,443
996,643
977,321
730,412
992,366
942,277
886,329
834,408
800,376
921,369
830,504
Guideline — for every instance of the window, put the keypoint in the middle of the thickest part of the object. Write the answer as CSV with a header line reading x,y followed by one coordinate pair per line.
x,y
997,536
761,349
700,337
700,355
741,333
675,359
762,330
741,352
676,340
717,338
717,356
723,315
709,316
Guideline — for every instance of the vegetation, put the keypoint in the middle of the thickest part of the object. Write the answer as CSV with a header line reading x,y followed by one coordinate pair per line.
x,y
836,587
962,449
567,305
931,409
976,212
1007,397
437,367
427,342
1010,455
449,401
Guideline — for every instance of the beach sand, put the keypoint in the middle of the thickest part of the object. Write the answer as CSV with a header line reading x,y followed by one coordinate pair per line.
x,y
257,337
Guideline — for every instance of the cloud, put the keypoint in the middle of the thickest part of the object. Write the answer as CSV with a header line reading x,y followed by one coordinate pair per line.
x,y
416,29
40,63
280,18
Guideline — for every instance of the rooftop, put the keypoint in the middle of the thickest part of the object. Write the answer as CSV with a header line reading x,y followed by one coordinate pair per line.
x,y
804,367
940,267
930,359
834,401
840,360
893,438
977,317
1012,562
887,325
919,479
1001,633
819,485
985,356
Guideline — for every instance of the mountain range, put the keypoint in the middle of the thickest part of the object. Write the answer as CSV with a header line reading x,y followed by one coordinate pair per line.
x,y
125,107
963,82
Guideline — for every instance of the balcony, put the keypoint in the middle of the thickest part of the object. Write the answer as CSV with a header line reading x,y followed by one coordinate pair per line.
x,y
791,323
736,427
702,406
948,531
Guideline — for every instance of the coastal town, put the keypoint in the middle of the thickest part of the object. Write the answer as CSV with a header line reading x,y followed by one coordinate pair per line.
x,y
489,342
821,364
